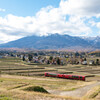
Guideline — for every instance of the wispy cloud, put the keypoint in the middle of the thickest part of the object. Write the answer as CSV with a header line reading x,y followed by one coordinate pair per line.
x,y
2,10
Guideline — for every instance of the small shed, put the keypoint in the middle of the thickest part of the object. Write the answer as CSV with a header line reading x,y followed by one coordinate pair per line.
x,y
84,63
91,62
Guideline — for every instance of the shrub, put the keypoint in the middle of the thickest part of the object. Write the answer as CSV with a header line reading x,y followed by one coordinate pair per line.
x,y
36,89
2,97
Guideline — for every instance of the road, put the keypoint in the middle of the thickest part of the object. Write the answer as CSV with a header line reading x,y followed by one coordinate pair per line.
x,y
75,93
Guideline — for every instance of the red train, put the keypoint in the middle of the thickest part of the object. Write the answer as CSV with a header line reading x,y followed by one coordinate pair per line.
x,y
74,77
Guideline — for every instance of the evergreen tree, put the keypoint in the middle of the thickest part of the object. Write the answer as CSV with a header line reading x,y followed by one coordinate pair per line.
x,y
30,57
58,61
51,58
85,59
48,62
77,54
23,58
97,61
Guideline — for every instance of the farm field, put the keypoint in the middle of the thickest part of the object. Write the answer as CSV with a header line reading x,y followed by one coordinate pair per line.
x,y
17,75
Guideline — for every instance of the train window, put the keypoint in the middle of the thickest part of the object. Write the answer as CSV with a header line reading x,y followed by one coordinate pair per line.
x,y
81,77
76,77
70,77
53,74
47,74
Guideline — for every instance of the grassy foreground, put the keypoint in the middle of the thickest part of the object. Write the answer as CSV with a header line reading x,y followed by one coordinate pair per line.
x,y
17,75
13,87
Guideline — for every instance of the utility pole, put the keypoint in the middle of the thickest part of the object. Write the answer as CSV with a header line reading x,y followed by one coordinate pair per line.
x,y
0,73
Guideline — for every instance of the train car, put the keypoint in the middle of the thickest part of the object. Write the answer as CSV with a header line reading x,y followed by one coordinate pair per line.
x,y
73,77
50,75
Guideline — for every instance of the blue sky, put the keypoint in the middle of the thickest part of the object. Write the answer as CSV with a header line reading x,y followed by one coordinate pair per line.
x,y
20,18
25,7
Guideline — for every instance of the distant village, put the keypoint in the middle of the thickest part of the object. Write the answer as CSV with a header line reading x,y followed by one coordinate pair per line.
x,y
55,57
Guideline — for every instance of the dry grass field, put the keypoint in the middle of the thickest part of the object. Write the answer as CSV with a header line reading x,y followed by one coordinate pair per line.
x,y
17,75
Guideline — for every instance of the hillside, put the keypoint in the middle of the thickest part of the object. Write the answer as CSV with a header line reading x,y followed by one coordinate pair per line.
x,y
54,41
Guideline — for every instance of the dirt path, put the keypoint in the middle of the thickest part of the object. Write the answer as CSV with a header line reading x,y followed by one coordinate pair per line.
x,y
76,93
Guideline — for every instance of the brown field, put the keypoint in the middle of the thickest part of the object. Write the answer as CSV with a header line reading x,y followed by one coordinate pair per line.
x,y
16,75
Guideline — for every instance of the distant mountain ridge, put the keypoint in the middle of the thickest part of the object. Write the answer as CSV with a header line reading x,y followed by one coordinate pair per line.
x,y
54,41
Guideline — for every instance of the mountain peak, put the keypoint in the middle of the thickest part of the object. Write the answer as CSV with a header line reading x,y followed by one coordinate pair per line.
x,y
53,41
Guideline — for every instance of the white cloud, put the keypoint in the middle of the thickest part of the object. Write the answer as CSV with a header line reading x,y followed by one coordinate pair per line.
x,y
98,25
68,18
80,7
4,38
2,10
